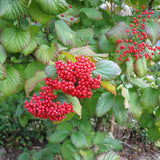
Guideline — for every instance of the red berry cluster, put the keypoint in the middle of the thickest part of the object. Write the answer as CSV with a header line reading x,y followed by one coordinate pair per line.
x,y
137,48
75,78
43,106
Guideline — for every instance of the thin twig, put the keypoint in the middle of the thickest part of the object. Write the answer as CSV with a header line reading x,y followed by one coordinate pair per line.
x,y
128,145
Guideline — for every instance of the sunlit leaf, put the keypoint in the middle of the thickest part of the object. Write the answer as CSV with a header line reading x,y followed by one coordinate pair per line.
x,y
87,154
107,85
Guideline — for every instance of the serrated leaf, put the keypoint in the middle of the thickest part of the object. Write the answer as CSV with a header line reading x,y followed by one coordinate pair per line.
x,y
3,54
11,84
149,98
65,34
139,83
77,156
45,54
119,111
5,24
129,68
87,154
110,87
58,136
108,156
76,104
78,139
140,68
12,10
51,71
66,126
3,74
152,29
92,13
105,45
53,6
21,39
69,56
37,13
34,30
24,156
98,138
107,69
104,103
154,133
119,32
85,126
31,47
31,82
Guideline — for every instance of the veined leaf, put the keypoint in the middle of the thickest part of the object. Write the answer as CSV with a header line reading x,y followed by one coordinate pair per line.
x,y
10,85
51,71
107,85
53,6
104,103
45,54
2,72
65,126
92,13
87,154
37,13
15,39
31,82
12,10
98,138
64,33
119,32
107,69
69,56
3,54
5,24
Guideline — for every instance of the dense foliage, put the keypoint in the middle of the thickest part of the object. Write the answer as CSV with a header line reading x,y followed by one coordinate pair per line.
x,y
80,63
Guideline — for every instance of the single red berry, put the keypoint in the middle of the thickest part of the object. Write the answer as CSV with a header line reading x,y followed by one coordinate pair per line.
x,y
143,7
149,16
152,12
137,10
70,6
127,31
128,59
72,19
62,15
150,57
131,25
139,16
25,16
117,51
35,22
144,20
153,53
120,59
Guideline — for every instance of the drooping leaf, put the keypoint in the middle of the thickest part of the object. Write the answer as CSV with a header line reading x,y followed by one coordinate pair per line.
x,y
3,74
53,6
78,139
104,103
119,32
107,85
107,69
45,54
108,156
31,47
98,138
149,98
58,136
87,154
37,13
31,82
92,13
140,68
152,30
105,45
65,34
11,84
12,10
14,39
129,68
119,111
76,104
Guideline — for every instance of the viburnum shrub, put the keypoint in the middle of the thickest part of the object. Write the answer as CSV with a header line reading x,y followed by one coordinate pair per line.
x,y
74,79
137,44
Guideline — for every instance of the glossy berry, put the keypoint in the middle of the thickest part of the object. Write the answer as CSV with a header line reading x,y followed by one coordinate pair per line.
x,y
62,15
35,22
72,19
70,6
25,16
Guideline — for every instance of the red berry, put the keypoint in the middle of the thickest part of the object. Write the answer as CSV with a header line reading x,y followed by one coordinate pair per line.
x,y
128,59
144,20
62,15
25,16
127,31
120,59
117,51
72,19
35,22
137,10
152,12
70,6
143,7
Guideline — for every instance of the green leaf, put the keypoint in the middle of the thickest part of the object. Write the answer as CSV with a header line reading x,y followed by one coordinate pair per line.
x,y
31,47
65,125
89,139
21,39
38,155
87,154
152,30
11,84
149,98
76,104
58,136
85,126
12,10
3,54
5,24
77,156
129,68
119,32
107,69
64,33
154,133
139,83
51,71
98,138
34,30
105,45
140,68
24,23
78,139
108,156
24,156
119,111
92,13
23,120
53,6
37,13
104,103
31,82
3,74
45,54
